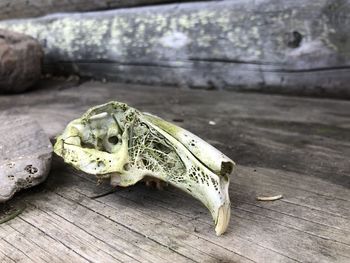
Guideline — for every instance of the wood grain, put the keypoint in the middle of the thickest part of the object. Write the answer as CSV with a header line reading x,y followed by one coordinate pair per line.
x,y
270,46
298,147
33,8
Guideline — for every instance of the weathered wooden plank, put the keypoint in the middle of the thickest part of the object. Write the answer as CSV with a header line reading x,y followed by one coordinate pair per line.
x,y
280,212
330,118
146,225
327,129
56,249
273,46
241,217
169,236
325,202
298,147
118,237
202,229
31,250
294,220
313,140
32,8
85,245
142,250
183,206
4,257
13,253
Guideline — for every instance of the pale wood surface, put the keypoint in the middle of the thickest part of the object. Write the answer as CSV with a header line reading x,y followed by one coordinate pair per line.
x,y
298,147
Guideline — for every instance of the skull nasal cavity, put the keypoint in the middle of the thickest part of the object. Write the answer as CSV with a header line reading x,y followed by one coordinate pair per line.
x,y
113,140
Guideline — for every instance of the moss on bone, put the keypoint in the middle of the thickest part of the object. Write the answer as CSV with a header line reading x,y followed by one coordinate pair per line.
x,y
118,142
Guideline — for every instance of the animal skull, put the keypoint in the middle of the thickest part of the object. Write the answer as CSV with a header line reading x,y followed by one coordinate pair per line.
x,y
118,142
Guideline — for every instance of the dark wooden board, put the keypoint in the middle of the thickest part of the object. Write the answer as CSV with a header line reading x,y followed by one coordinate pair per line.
x,y
298,147
32,8
295,47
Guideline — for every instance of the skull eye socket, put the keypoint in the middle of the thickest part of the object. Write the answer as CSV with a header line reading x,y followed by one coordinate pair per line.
x,y
113,140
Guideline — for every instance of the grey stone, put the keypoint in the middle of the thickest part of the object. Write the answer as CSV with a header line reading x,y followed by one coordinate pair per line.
x,y
25,155
20,61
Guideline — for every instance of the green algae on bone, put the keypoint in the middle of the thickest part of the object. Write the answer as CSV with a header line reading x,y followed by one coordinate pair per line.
x,y
118,142
211,157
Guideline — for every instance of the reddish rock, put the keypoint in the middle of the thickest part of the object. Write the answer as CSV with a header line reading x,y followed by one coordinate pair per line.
x,y
20,61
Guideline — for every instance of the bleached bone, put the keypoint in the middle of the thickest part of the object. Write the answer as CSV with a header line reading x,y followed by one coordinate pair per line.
x,y
119,142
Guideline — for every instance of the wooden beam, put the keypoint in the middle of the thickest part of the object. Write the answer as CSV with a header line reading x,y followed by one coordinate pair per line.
x,y
33,8
272,46
298,147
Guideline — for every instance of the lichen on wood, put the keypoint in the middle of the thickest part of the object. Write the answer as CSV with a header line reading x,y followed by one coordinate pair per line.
x,y
287,47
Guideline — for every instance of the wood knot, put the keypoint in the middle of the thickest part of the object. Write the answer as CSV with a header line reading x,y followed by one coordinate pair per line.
x,y
294,39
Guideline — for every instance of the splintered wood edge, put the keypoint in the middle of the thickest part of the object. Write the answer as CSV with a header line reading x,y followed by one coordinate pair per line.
x,y
269,198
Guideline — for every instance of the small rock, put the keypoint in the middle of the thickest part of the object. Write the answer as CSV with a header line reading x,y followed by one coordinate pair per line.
x,y
20,62
212,123
25,155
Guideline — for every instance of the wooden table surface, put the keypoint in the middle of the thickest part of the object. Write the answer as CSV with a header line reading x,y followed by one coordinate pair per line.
x,y
298,147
